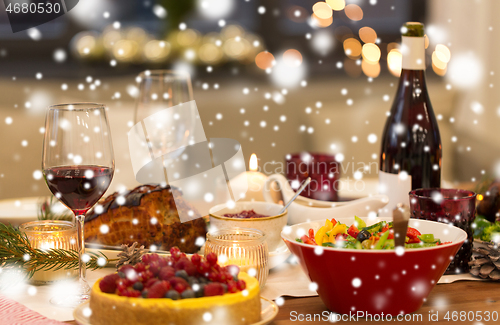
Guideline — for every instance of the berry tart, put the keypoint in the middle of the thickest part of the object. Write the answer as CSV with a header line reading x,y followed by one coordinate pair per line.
x,y
176,290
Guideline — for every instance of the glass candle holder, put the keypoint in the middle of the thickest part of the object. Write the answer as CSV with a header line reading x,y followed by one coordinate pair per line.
x,y
243,247
456,207
51,234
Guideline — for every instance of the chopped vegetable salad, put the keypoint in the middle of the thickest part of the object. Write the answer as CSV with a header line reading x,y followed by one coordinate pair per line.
x,y
361,236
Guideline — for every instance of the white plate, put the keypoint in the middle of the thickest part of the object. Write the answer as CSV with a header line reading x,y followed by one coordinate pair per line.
x,y
268,312
21,210
279,255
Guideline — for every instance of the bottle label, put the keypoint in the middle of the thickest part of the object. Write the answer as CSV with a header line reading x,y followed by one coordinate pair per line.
x,y
396,188
413,51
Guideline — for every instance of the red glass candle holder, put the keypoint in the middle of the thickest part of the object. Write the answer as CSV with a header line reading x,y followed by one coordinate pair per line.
x,y
323,169
456,207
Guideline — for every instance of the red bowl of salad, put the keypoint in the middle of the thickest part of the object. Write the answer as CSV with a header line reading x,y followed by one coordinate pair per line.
x,y
358,270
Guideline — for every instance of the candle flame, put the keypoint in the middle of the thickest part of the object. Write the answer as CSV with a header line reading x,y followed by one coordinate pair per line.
x,y
254,163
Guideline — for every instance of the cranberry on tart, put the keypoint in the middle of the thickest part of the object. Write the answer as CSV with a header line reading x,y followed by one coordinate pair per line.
x,y
176,290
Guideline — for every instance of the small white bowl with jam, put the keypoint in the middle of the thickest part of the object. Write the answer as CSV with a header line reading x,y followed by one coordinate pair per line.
x,y
263,216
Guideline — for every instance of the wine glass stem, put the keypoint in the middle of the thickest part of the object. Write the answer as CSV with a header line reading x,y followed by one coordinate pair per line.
x,y
82,270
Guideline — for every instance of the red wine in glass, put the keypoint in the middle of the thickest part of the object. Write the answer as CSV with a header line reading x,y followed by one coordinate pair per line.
x,y
451,206
78,165
78,187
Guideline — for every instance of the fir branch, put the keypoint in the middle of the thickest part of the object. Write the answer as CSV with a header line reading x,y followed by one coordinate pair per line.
x,y
16,252
483,185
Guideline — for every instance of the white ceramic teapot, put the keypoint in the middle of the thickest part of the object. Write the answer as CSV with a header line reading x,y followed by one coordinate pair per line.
x,y
304,209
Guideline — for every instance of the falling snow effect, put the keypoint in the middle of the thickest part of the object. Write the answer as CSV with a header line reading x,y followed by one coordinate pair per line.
x,y
59,55
34,33
159,11
322,42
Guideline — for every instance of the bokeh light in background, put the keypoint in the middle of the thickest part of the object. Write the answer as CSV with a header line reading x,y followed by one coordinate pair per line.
x,y
317,22
232,31
352,48
236,48
354,12
292,57
136,34
336,5
444,53
234,43
156,50
187,37
85,45
110,36
394,61
440,58
437,62
134,45
370,69
125,50
439,71
371,53
210,53
322,10
367,35
264,60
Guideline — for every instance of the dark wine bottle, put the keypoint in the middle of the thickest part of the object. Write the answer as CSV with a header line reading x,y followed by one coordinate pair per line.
x,y
411,151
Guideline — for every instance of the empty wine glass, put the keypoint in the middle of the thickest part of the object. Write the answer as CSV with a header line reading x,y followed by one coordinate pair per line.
x,y
158,91
78,166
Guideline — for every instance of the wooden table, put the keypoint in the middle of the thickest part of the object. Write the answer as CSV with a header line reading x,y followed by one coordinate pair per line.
x,y
460,296
463,296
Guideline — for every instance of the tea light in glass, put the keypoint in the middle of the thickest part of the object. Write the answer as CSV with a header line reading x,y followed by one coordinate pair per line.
x,y
51,234
243,247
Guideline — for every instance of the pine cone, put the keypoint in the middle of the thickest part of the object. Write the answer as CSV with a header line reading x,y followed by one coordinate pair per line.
x,y
486,264
130,255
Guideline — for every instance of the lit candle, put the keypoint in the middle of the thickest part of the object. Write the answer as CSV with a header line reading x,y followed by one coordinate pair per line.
x,y
243,247
254,179
46,235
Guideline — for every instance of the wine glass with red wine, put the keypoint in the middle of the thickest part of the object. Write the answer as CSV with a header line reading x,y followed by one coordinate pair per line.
x,y
78,165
